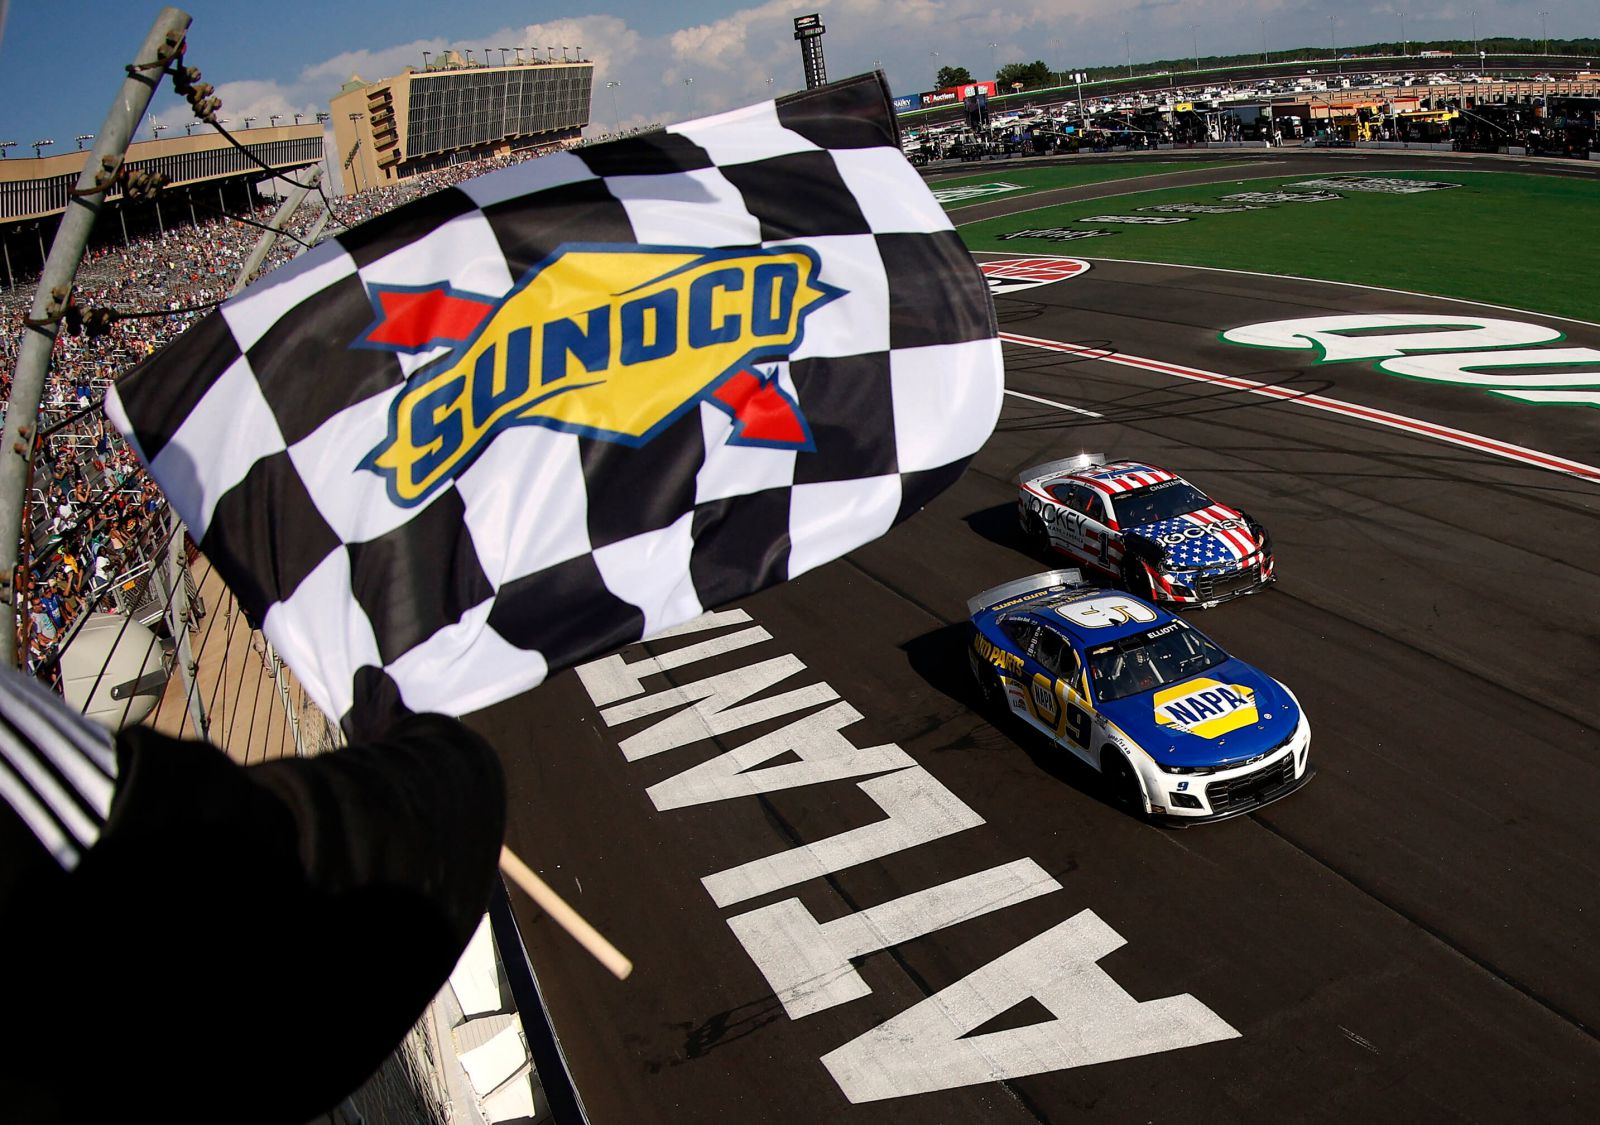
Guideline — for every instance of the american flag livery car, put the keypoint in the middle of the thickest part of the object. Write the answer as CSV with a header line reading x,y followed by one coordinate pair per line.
x,y
1177,727
1145,528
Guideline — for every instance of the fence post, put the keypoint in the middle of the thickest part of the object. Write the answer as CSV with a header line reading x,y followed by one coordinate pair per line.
x,y
269,237
178,609
55,288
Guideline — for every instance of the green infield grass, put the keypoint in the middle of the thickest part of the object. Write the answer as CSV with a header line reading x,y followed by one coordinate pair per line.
x,y
1521,240
1036,179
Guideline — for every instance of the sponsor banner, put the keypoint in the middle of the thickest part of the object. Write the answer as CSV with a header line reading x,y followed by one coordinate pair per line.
x,y
1056,234
1150,220
1199,208
905,103
973,191
940,97
1383,185
972,88
1283,197
1008,275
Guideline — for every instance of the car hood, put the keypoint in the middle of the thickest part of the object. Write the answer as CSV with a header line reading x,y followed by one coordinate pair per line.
x,y
1228,714
1204,538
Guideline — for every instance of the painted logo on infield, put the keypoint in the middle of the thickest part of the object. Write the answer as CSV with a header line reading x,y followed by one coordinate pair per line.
x,y
1008,275
1206,708
611,342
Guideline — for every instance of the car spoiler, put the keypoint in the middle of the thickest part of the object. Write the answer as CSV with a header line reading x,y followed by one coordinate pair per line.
x,y
1065,465
1017,587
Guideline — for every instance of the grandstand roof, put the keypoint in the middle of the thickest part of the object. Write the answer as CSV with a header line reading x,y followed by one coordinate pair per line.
x,y
33,188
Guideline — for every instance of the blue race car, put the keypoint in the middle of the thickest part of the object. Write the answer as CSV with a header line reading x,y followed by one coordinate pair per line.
x,y
1178,728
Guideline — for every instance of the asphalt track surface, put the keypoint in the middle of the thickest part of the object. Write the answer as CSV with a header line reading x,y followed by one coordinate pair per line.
x,y
1412,936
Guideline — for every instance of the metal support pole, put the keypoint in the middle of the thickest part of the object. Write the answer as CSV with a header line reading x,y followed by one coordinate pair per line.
x,y
159,223
316,230
122,213
55,288
269,238
177,589
280,675
11,282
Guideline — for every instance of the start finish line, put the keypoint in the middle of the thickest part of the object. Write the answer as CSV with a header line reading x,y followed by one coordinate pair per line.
x,y
927,1047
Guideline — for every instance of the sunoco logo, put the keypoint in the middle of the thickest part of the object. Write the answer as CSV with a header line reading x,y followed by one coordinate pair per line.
x,y
1206,708
609,342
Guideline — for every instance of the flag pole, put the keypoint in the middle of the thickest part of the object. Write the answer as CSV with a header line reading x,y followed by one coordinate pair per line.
x,y
512,867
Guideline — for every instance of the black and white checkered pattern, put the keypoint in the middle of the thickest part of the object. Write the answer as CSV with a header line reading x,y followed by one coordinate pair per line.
x,y
553,546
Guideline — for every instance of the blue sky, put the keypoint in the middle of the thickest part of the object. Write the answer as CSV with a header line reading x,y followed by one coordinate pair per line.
x,y
60,60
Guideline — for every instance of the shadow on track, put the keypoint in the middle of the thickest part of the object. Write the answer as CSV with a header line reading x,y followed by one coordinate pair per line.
x,y
940,658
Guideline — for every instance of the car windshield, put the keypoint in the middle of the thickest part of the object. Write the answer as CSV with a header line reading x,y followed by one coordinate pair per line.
x,y
1167,500
1140,663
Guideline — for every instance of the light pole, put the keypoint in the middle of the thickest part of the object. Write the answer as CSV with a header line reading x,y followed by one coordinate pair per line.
x,y
1194,30
468,52
1263,41
274,118
248,122
156,129
1405,44
688,85
1544,26
564,54
81,137
297,118
1474,31
1128,51
616,118
425,56
1332,42
504,51
992,69
42,144
519,56
5,145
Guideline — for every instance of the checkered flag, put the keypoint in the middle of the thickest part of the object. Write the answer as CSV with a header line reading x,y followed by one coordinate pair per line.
x,y
565,405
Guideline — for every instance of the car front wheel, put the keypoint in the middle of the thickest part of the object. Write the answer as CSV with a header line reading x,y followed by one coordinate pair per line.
x,y
1136,580
1122,782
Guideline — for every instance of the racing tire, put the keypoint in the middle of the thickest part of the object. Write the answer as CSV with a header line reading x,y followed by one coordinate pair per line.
x,y
992,694
1122,784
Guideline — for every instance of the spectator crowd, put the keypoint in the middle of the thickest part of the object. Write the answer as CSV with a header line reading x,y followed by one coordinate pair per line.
x,y
95,523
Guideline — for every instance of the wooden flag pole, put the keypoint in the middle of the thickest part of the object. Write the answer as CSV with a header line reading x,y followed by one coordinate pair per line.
x,y
568,919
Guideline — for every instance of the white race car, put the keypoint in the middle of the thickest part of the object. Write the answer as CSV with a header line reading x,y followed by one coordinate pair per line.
x,y
1145,528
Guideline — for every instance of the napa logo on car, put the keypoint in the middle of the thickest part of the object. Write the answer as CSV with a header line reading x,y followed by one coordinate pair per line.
x,y
1205,707
610,342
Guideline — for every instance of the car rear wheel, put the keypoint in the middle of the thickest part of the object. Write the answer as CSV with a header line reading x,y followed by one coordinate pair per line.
x,y
992,692
1122,783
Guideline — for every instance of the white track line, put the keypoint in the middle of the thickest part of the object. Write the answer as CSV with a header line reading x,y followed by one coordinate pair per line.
x,y
1053,402
1414,426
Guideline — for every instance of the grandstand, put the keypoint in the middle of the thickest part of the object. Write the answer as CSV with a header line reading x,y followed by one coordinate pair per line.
x,y
204,173
420,120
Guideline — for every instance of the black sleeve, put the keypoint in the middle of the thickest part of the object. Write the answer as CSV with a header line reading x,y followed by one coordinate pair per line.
x,y
248,944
